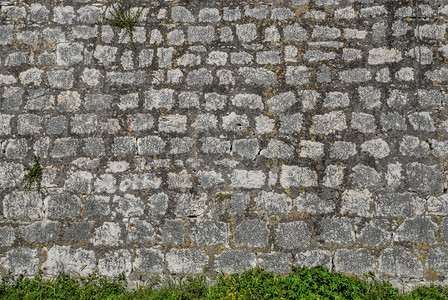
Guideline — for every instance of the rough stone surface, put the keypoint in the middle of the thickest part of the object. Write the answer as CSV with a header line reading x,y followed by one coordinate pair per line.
x,y
225,135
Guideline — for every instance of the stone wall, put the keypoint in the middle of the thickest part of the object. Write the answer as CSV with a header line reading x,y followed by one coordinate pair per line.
x,y
229,135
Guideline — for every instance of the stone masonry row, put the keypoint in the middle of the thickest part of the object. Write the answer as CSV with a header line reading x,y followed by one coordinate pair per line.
x,y
227,135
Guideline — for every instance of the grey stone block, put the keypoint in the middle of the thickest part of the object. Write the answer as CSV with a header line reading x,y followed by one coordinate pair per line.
x,y
235,122
62,205
151,145
108,234
396,205
129,205
173,232
393,121
278,149
436,260
16,149
252,233
297,75
60,79
247,148
38,12
311,149
5,124
397,98
64,15
149,261
140,181
356,202
201,34
247,179
398,262
342,150
314,258
71,261
422,121
364,176
79,182
20,205
337,231
68,54
84,123
294,33
115,263
293,235
12,98
97,102
79,231
141,231
422,178
21,261
205,122
6,34
275,262
165,57
210,179
417,230
173,123
313,204
89,14
94,147
186,261
28,124
269,204
105,183
124,145
351,261
180,14
377,148
7,236
257,76
412,146
294,176
41,232
291,123
364,123
209,232
96,206
235,261
374,234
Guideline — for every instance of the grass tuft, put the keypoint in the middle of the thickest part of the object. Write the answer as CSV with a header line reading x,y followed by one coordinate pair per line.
x,y
301,283
123,18
34,175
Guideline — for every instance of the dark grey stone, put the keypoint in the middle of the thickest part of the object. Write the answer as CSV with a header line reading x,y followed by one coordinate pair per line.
x,y
252,233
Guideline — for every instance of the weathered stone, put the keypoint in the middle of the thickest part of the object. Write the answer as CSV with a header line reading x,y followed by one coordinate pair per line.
x,y
186,261
235,122
61,79
398,262
252,233
334,176
41,232
356,262
20,261
257,76
294,33
71,261
314,258
374,234
140,231
235,261
427,179
149,261
337,231
293,176
20,205
416,230
377,148
108,234
328,123
311,149
291,123
293,235
356,202
247,179
201,34
269,203
209,232
364,176
278,149
62,205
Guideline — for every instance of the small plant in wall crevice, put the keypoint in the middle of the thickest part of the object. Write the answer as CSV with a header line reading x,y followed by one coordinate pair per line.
x,y
124,19
34,175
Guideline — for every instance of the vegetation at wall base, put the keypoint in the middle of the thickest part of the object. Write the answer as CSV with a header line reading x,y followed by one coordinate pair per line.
x,y
301,283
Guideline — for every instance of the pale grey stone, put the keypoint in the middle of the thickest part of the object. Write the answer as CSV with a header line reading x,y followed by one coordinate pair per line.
x,y
355,76
370,96
140,181
96,206
313,204
7,236
71,261
124,145
94,147
334,176
61,80
31,76
5,124
241,58
297,177
108,234
259,13
40,100
314,258
209,15
84,123
149,261
251,101
356,202
218,58
275,262
199,77
291,123
269,204
345,13
209,179
20,261
16,59
246,32
188,99
268,57
351,261
363,122
181,145
20,205
293,235
377,148
205,122
294,33
436,260
105,183
173,232
438,75
329,123
158,204
374,234
422,178
115,263
412,146
14,13
364,176
264,124
68,54
318,55
427,31
140,231
421,121
235,261
209,232
28,124
231,14
383,55
29,38
63,14
180,14
63,205
247,179
6,34
105,54
417,230
53,35
234,122
16,149
278,149
226,34
396,205
79,182
398,262
336,99
311,149
201,34
297,75
155,99
89,14
179,180
337,231
151,145
41,232
325,33
281,102
393,121
342,150
189,59
173,123
257,76
187,261
271,34
213,145
252,233
38,12
165,57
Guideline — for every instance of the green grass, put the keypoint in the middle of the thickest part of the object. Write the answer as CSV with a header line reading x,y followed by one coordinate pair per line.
x,y
301,283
